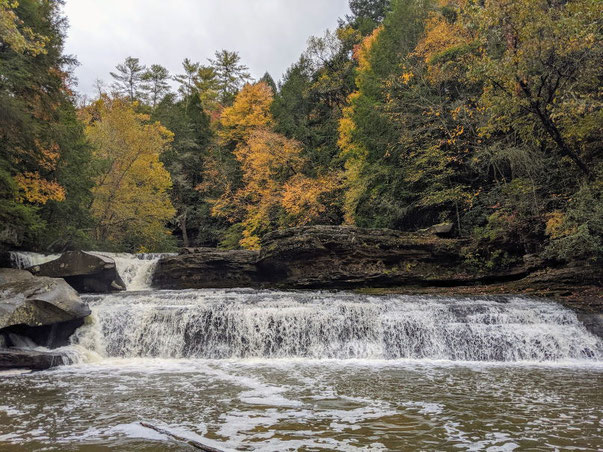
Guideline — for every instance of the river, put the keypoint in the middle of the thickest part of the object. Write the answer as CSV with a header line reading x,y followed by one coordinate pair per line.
x,y
276,371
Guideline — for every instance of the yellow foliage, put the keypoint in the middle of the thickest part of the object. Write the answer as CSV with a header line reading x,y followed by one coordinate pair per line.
x,y
20,39
251,110
37,190
556,226
131,195
440,36
302,196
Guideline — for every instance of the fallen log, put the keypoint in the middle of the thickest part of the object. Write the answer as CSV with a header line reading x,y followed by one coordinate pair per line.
x,y
190,442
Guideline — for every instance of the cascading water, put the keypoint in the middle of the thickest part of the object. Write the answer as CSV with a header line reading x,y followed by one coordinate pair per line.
x,y
220,324
26,259
136,270
267,370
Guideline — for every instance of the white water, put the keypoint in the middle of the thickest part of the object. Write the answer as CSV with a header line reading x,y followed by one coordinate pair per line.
x,y
136,270
26,259
269,370
234,324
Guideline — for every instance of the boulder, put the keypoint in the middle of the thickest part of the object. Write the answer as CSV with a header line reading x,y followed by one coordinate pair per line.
x,y
29,359
10,275
85,272
36,302
336,257
202,268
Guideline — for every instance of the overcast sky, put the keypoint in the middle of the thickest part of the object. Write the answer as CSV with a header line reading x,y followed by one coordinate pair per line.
x,y
269,34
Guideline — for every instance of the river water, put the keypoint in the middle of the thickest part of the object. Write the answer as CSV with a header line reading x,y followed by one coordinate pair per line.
x,y
277,371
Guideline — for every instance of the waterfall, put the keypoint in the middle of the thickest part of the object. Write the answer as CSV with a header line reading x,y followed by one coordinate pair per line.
x,y
136,270
26,259
218,324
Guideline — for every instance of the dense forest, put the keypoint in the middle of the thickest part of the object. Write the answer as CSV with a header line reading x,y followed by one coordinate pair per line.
x,y
482,114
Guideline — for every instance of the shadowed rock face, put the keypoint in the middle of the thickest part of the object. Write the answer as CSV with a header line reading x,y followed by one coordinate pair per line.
x,y
206,268
29,359
85,272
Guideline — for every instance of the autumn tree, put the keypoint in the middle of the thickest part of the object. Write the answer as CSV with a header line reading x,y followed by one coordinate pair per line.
x,y
274,191
42,204
131,202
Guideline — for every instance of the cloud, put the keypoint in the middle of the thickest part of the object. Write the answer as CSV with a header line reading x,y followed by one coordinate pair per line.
x,y
269,34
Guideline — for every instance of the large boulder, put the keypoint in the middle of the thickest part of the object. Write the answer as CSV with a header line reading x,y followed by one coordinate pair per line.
x,y
41,301
338,257
10,275
85,272
202,268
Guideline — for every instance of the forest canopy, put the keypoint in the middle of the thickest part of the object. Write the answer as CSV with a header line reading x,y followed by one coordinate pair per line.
x,y
484,115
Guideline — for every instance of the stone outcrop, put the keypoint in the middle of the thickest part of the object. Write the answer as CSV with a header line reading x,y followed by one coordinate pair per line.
x,y
36,311
335,257
85,272
39,301
29,359
202,268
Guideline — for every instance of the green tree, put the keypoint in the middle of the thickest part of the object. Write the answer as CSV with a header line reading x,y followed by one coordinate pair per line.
x,y
231,74
40,137
129,79
156,83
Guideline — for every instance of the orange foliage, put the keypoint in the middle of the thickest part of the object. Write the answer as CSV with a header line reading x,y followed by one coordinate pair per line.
x,y
37,190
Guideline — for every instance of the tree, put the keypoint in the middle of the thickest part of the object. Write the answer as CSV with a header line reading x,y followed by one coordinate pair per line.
x,y
208,87
131,201
231,74
40,136
250,110
367,14
18,38
539,61
189,78
268,80
375,195
129,79
156,83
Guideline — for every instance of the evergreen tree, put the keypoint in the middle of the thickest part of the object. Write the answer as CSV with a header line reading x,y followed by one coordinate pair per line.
x,y
156,84
231,74
129,79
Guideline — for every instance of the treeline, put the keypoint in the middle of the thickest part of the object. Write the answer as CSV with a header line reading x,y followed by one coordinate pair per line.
x,y
484,115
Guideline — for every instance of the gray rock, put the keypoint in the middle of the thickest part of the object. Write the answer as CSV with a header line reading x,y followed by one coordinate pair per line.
x,y
85,272
39,301
29,359
335,257
201,268
10,275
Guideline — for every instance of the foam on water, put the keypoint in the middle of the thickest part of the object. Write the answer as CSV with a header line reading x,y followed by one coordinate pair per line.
x,y
247,324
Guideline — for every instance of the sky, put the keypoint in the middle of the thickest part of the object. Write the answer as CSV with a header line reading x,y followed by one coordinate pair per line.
x,y
270,35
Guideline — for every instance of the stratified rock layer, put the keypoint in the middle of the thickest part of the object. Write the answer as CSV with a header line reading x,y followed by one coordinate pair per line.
x,y
202,268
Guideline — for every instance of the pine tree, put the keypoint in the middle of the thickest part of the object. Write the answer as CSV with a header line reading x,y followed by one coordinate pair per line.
x,y
129,79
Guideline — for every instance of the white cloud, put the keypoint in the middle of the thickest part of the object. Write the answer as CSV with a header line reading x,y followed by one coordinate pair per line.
x,y
269,34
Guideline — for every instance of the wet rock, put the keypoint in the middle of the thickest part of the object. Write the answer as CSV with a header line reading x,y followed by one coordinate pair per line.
x,y
201,268
29,359
85,272
39,301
